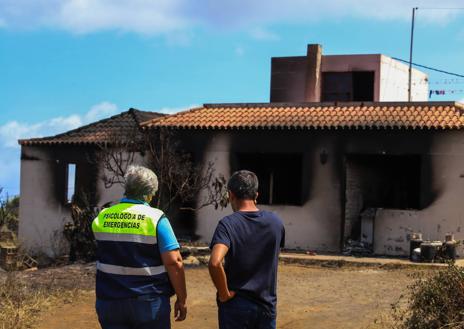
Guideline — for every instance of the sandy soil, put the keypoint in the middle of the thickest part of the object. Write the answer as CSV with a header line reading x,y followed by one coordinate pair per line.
x,y
309,297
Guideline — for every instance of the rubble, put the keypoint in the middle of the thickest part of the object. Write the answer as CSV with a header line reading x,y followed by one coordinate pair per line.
x,y
10,257
8,249
191,261
311,253
204,260
187,250
357,248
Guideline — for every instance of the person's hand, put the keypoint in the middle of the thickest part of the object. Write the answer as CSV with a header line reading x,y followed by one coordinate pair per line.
x,y
180,311
226,298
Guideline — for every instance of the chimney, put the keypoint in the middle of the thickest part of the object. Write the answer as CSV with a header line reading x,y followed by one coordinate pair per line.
x,y
313,73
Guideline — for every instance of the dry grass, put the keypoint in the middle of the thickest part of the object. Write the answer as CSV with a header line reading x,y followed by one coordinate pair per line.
x,y
435,300
22,301
387,320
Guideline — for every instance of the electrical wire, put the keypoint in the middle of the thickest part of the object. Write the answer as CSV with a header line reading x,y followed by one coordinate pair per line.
x,y
431,8
430,68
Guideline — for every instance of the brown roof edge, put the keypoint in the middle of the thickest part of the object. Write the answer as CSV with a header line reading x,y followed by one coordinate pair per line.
x,y
131,111
209,114
37,139
148,123
136,115
327,104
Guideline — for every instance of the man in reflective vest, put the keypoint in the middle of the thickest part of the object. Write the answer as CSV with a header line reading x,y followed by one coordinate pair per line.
x,y
139,266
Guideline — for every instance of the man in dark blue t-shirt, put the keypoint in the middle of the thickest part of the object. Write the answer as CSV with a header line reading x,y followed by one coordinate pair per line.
x,y
249,240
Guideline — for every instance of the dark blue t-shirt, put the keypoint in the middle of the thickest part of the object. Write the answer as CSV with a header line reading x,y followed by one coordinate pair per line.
x,y
254,239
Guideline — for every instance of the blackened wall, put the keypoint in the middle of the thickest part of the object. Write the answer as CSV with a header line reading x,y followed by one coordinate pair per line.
x,y
319,223
44,208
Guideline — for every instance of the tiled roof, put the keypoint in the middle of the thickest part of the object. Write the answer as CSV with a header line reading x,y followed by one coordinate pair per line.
x,y
110,130
378,115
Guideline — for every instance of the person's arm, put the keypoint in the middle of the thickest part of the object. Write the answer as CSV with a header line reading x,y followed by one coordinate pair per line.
x,y
172,260
218,275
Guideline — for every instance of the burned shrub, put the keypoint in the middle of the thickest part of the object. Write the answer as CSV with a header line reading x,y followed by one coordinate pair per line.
x,y
79,231
436,301
9,208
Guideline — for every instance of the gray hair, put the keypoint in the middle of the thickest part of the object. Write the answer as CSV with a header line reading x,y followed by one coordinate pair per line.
x,y
140,182
244,184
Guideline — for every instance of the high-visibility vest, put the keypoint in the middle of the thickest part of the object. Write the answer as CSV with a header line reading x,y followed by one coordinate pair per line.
x,y
128,259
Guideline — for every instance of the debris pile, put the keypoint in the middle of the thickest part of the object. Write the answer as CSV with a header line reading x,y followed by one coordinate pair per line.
x,y
357,248
11,259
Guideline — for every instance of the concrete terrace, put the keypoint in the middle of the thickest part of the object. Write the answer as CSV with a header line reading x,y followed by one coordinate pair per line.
x,y
352,261
290,257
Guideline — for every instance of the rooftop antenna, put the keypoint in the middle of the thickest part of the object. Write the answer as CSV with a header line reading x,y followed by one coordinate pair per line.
x,y
410,53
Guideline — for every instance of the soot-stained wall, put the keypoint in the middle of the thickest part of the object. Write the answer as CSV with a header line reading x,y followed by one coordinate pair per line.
x,y
44,208
316,223
319,222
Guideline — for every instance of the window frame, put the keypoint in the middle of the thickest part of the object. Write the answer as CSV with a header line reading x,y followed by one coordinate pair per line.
x,y
270,177
67,197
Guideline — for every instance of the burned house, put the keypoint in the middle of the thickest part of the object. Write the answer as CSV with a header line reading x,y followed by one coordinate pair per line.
x,y
55,169
339,153
375,170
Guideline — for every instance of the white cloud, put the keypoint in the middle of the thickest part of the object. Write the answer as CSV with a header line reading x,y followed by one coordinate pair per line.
x,y
14,130
84,16
62,123
172,110
9,170
142,16
252,13
172,16
101,110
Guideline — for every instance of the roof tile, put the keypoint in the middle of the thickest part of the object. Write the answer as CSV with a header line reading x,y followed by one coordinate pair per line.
x,y
109,130
317,116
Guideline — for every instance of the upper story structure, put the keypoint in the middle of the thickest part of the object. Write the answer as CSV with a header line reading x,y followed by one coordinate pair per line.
x,y
344,78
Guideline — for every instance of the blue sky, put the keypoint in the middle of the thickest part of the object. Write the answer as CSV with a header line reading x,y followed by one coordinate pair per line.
x,y
64,63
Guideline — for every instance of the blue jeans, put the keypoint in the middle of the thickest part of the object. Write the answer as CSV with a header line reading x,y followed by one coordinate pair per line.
x,y
241,313
145,312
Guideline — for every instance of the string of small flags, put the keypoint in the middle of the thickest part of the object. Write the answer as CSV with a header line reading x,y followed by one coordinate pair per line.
x,y
445,92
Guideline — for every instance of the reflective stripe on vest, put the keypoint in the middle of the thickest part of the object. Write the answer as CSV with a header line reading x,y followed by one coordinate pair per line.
x,y
124,270
125,237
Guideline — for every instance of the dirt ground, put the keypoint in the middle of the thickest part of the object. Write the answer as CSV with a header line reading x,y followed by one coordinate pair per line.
x,y
308,297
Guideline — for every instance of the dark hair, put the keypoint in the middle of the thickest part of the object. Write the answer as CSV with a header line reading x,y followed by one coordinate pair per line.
x,y
244,184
